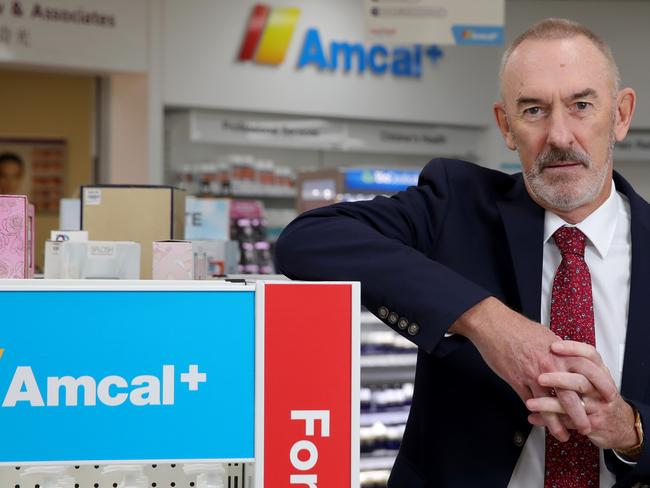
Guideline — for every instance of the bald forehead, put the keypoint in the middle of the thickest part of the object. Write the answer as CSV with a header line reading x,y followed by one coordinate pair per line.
x,y
540,59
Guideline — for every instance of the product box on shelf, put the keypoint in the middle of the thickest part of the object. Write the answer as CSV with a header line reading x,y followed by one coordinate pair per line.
x,y
16,237
137,213
223,257
207,218
179,260
92,260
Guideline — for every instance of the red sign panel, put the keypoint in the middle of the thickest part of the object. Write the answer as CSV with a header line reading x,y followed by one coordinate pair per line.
x,y
307,385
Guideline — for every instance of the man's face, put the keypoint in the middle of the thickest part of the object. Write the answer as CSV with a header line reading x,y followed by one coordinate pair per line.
x,y
560,108
11,174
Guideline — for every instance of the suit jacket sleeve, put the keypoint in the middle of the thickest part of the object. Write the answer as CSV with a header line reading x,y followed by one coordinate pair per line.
x,y
386,244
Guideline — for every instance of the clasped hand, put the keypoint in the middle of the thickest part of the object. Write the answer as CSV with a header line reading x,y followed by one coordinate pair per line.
x,y
563,383
586,398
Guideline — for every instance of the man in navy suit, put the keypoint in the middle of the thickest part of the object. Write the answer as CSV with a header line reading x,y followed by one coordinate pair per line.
x,y
473,265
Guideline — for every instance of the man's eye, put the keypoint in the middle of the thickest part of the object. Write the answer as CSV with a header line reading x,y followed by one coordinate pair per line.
x,y
582,105
532,111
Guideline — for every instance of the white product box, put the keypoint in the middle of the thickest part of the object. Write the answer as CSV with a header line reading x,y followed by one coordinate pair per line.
x,y
92,260
52,268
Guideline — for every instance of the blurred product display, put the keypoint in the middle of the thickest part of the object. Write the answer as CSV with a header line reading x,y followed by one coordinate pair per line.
x,y
139,213
387,374
249,184
239,176
324,187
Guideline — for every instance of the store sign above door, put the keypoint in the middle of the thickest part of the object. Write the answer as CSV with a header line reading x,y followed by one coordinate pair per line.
x,y
270,30
461,22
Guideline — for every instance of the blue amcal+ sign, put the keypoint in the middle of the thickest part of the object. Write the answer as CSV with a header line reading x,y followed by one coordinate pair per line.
x,y
127,375
400,61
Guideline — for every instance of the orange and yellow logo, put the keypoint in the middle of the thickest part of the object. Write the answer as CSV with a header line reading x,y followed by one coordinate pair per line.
x,y
268,34
2,351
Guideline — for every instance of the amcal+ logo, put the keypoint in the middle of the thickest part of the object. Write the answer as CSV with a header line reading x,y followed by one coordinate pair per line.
x,y
87,391
269,33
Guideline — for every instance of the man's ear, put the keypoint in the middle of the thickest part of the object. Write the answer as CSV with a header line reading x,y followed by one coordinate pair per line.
x,y
625,103
504,126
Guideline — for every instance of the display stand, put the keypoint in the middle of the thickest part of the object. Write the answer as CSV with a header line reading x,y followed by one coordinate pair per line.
x,y
175,373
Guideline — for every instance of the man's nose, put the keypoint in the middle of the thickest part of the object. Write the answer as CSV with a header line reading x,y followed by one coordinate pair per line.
x,y
559,129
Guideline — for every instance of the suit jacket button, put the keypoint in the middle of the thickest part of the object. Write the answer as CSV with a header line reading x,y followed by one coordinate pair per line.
x,y
392,318
383,312
519,439
402,323
413,329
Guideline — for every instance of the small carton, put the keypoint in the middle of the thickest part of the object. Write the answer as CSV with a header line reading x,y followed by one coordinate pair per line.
x,y
16,237
179,260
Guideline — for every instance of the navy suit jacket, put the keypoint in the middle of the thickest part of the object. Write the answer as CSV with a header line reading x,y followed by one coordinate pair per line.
x,y
430,253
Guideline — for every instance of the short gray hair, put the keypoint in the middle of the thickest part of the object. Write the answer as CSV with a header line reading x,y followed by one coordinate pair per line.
x,y
553,29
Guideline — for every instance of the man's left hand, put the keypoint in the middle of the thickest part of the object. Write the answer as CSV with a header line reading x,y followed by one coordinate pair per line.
x,y
611,417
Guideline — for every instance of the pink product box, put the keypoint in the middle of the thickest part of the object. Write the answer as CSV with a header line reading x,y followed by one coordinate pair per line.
x,y
179,260
16,237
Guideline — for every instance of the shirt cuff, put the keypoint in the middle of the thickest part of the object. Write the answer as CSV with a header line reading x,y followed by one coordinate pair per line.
x,y
623,460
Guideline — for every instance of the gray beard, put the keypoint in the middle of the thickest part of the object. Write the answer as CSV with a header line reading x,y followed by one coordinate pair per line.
x,y
566,193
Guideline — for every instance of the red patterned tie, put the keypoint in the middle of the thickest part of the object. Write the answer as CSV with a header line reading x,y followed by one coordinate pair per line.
x,y
572,464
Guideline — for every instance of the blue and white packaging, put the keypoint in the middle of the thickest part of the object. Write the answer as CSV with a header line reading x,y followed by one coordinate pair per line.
x,y
207,219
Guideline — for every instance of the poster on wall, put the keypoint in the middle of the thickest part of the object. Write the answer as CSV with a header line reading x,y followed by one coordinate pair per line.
x,y
450,22
33,167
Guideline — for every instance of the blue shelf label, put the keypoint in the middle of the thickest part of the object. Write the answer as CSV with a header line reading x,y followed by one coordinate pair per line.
x,y
380,179
127,375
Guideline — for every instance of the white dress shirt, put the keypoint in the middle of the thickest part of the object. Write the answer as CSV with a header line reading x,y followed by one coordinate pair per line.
x,y
608,255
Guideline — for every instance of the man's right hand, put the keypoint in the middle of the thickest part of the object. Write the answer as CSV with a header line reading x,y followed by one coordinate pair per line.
x,y
518,350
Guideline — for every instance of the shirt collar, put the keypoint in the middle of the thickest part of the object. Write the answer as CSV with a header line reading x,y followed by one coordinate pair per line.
x,y
598,227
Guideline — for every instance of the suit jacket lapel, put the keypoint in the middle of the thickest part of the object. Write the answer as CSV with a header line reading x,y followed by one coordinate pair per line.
x,y
636,366
523,221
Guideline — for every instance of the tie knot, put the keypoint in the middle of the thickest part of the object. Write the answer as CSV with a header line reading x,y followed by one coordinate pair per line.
x,y
570,240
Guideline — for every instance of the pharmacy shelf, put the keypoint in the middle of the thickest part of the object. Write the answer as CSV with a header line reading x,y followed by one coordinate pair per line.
x,y
384,376
256,196
371,463
387,418
389,360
